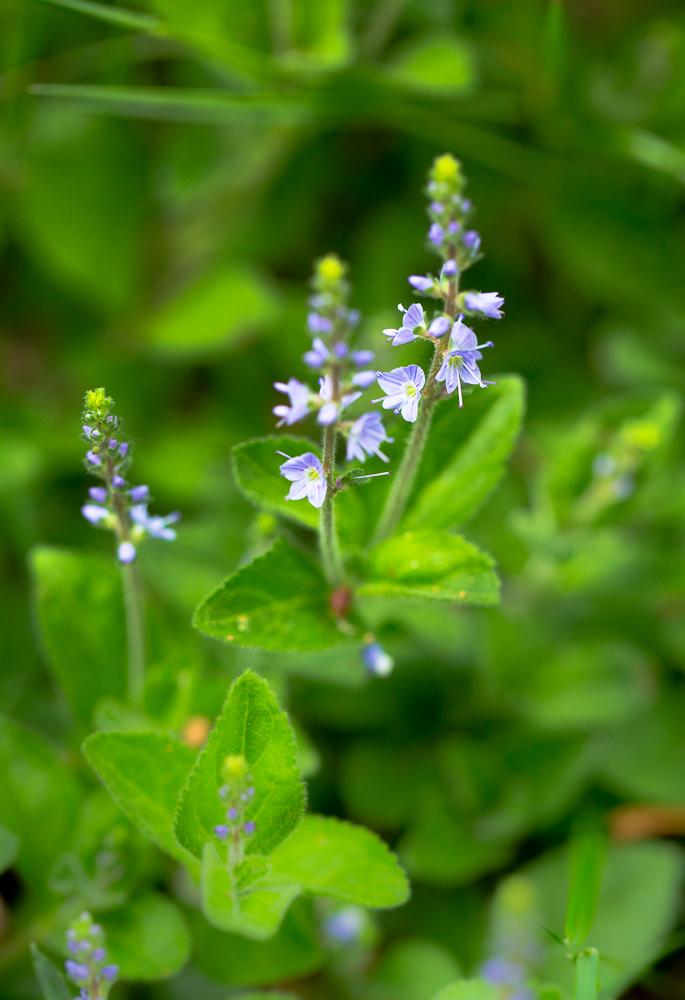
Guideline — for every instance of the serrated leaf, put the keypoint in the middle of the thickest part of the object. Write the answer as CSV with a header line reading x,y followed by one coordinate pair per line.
x,y
329,857
251,724
148,938
255,467
51,981
433,565
469,989
144,773
278,601
466,454
255,910
79,601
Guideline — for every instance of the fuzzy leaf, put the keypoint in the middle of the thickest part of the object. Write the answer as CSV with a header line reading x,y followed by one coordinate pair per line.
x,y
79,601
148,939
331,858
433,565
144,773
255,910
466,455
255,467
279,601
251,724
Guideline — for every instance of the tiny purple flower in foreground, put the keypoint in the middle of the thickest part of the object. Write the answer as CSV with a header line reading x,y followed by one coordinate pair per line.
x,y
346,925
300,396
318,355
126,552
486,303
402,387
92,974
377,661
249,827
365,437
421,282
221,830
305,473
414,319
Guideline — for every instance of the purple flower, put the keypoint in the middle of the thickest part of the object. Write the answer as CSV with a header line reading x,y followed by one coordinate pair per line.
x,y
436,234
486,303
94,512
249,827
414,319
364,379
460,363
232,813
118,482
305,473
365,437
449,269
502,972
330,410
421,282
98,493
300,397
93,458
340,350
77,970
436,207
126,552
139,493
124,449
346,925
471,240
362,358
318,323
222,831
154,525
110,972
403,390
377,661
440,326
318,355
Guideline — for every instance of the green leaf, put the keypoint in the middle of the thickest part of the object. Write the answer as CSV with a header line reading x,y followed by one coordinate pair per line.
x,y
440,65
466,454
51,981
278,601
413,969
469,989
79,602
148,939
255,910
130,19
144,773
198,321
433,565
255,467
251,724
38,789
331,858
585,883
9,848
586,986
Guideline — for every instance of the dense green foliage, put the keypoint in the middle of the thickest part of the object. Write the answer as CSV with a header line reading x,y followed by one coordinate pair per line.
x,y
168,173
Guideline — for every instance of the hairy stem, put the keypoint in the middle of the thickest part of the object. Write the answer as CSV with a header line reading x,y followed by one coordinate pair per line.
x,y
135,634
330,547
403,481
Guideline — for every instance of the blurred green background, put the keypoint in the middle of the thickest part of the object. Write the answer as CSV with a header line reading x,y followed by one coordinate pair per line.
x,y
168,173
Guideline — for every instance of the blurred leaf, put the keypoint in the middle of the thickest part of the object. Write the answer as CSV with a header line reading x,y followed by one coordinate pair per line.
x,y
255,467
433,565
9,848
250,724
331,858
213,313
587,975
52,983
79,602
255,910
413,970
148,938
585,883
442,65
144,773
118,16
278,601
466,455
469,989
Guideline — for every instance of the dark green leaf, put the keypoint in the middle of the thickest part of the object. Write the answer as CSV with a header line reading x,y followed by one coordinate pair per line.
x,y
52,983
255,467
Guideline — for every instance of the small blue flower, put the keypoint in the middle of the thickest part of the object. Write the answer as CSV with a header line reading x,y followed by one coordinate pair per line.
x,y
98,493
364,379
154,525
440,326
110,972
77,970
413,320
449,270
502,972
346,925
403,390
118,482
331,410
486,303
460,363
377,661
221,831
126,552
249,827
421,282
319,354
305,473
94,513
139,493
471,240
318,323
436,234
365,437
93,458
362,358
300,401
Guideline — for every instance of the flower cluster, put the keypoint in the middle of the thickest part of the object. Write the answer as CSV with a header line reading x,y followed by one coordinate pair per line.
x,y
457,351
87,965
344,374
114,504
237,795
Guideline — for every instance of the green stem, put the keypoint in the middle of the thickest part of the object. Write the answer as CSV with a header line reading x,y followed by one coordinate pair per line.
x,y
330,547
135,634
403,481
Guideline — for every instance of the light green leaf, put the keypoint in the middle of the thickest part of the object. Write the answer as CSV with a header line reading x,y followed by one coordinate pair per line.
x,y
213,312
433,565
144,773
466,454
586,986
9,848
251,724
585,883
440,65
331,858
38,789
255,910
148,938
278,601
130,19
469,989
255,467
79,601
50,979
